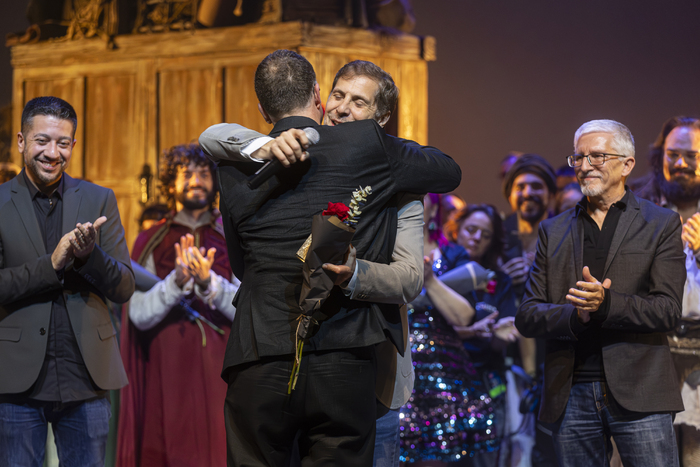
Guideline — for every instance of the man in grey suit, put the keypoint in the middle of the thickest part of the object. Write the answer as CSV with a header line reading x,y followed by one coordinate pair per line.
x,y
361,90
265,227
605,287
62,254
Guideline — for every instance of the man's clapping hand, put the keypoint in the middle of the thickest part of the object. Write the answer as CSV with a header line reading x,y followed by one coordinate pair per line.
x,y
589,295
193,262
78,243
691,234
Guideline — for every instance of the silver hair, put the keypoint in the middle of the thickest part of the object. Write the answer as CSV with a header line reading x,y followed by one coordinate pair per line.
x,y
623,141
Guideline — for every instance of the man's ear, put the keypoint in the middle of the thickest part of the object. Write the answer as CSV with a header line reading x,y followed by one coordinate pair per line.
x,y
317,96
628,166
20,142
384,119
264,114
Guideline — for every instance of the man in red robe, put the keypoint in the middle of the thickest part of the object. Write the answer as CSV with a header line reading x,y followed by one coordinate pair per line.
x,y
174,335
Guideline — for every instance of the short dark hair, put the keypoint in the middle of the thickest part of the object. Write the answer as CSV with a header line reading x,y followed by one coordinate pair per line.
x,y
284,82
50,106
182,155
387,94
494,251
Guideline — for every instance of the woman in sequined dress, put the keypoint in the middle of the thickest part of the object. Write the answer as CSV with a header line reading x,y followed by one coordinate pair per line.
x,y
450,416
479,229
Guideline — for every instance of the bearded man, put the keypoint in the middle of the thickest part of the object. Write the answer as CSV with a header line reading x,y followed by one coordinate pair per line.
x,y
175,339
676,185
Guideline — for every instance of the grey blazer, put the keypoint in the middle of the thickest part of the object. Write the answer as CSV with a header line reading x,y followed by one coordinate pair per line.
x,y
26,273
646,265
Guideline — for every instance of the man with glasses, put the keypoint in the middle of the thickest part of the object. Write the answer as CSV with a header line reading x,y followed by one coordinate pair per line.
x,y
605,287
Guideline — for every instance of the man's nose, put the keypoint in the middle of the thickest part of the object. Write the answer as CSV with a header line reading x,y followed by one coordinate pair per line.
x,y
586,165
680,162
344,107
52,150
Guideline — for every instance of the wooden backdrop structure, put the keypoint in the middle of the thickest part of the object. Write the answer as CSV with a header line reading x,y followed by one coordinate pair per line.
x,y
154,91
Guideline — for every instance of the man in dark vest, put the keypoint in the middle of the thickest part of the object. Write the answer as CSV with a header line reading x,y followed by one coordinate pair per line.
x,y
333,405
173,345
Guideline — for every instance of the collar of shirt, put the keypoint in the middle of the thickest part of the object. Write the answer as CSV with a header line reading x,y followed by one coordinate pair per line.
x,y
205,219
582,206
34,191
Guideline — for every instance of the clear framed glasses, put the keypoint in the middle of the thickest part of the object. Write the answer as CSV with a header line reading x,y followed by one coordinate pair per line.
x,y
595,160
690,157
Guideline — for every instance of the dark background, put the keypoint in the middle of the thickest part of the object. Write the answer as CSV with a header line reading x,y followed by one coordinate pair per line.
x,y
523,75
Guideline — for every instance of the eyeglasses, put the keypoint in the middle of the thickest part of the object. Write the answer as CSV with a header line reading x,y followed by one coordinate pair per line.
x,y
690,157
598,159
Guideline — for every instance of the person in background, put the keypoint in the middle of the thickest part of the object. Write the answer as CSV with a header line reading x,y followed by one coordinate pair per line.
x,y
450,203
529,186
479,229
174,343
565,176
567,197
450,414
675,184
506,163
151,215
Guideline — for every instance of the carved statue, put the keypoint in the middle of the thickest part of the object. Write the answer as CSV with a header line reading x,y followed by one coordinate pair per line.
x,y
80,19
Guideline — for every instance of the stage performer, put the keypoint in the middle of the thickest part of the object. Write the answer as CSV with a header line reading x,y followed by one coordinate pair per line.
x,y
675,184
336,423
173,346
62,255
605,287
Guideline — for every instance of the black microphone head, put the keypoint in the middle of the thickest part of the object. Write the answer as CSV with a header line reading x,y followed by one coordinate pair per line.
x,y
312,134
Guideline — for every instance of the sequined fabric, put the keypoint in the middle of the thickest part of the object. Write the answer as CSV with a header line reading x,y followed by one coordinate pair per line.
x,y
450,414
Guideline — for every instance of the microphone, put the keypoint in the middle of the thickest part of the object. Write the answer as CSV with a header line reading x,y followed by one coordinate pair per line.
x,y
275,166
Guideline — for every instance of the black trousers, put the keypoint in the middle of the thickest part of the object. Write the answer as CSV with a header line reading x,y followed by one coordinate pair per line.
x,y
332,411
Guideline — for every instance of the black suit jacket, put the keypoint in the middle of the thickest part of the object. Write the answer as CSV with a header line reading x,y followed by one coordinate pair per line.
x,y
646,265
265,227
26,275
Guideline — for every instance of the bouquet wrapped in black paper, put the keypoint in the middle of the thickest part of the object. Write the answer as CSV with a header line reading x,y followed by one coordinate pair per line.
x,y
331,234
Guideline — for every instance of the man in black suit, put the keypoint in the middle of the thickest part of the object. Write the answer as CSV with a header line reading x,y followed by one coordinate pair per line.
x,y
605,287
333,403
62,254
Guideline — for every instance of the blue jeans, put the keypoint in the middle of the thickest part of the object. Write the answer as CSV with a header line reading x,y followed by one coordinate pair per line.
x,y
592,416
386,444
80,430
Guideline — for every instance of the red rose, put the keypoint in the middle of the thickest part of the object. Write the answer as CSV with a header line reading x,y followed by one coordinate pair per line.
x,y
337,209
491,287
